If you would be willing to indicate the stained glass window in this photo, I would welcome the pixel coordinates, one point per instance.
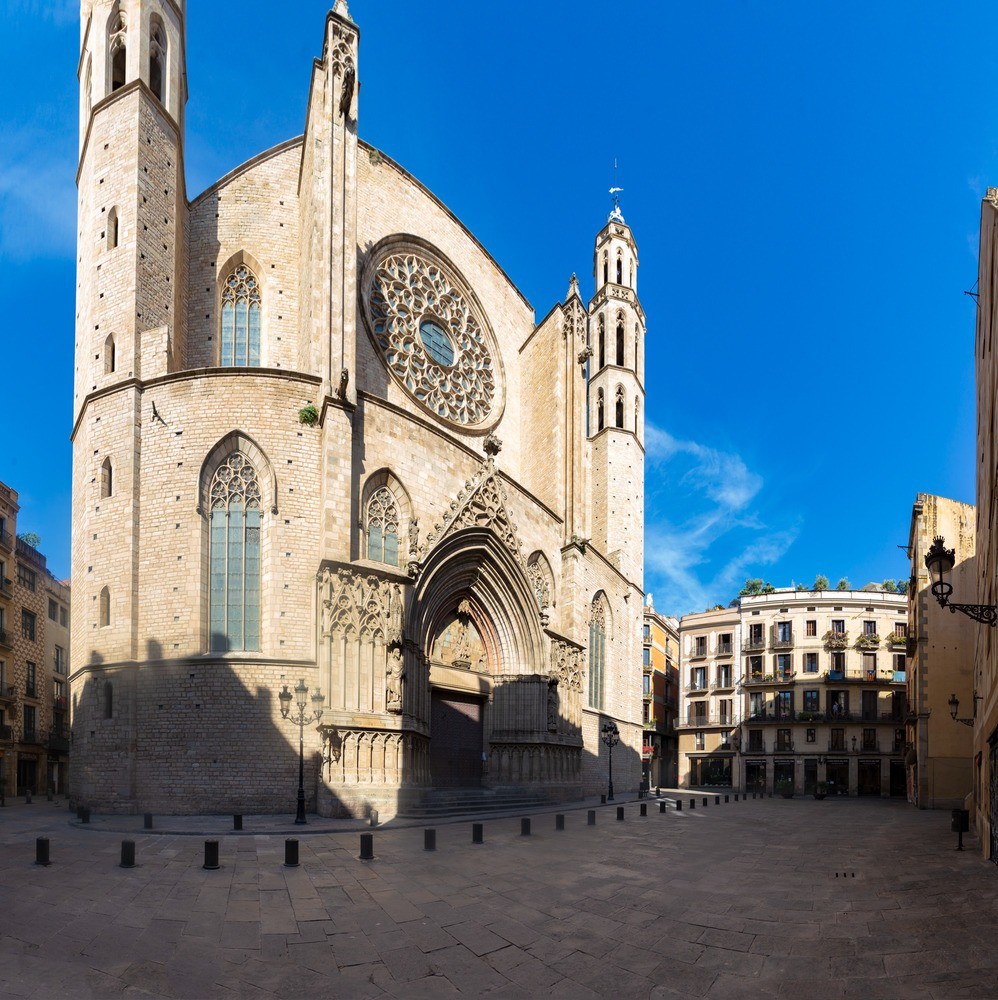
(383, 527)
(241, 319)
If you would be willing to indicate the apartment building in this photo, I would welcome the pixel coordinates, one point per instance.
(660, 698)
(793, 688)
(34, 665)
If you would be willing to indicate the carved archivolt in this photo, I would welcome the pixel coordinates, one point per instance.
(431, 334)
(365, 606)
(481, 504)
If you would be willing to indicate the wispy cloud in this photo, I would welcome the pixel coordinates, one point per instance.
(37, 197)
(704, 534)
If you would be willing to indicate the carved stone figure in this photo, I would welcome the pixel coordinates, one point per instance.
(327, 617)
(395, 678)
(395, 624)
(414, 538)
(344, 382)
(553, 705)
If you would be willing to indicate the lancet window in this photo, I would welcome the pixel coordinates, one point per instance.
(241, 305)
(118, 50)
(597, 653)
(620, 340)
(599, 409)
(234, 556)
(383, 527)
(602, 342)
(157, 59)
(619, 401)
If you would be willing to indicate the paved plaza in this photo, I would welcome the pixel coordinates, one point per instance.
(760, 898)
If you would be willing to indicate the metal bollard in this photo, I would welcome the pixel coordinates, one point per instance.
(641, 793)
(693, 803)
(429, 840)
(85, 818)
(661, 806)
(679, 805)
(237, 822)
(725, 798)
(559, 821)
(717, 800)
(79, 812)
(525, 827)
(373, 819)
(210, 855)
(477, 833)
(42, 851)
(27, 796)
(736, 796)
(643, 809)
(658, 792)
(291, 853)
(591, 820)
(127, 854)
(602, 800)
(147, 821)
(367, 847)
(705, 801)
(620, 814)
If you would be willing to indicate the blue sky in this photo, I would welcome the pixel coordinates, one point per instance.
(803, 181)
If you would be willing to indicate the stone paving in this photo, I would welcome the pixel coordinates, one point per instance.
(763, 898)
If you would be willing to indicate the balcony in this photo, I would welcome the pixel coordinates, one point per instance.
(696, 687)
(781, 638)
(6, 541)
(703, 720)
(6, 733)
(897, 640)
(8, 692)
(725, 648)
(754, 642)
(6, 639)
(756, 746)
(836, 640)
(766, 716)
(723, 683)
(58, 743)
(784, 746)
(780, 677)
(31, 736)
(699, 650)
(6, 587)
(864, 676)
(59, 704)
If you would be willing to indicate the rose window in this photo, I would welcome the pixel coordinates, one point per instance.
(432, 336)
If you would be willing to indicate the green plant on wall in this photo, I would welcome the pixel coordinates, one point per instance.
(308, 415)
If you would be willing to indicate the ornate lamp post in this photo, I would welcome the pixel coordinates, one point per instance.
(939, 561)
(954, 707)
(610, 735)
(300, 717)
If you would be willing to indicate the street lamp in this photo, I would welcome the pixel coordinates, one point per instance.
(611, 737)
(954, 707)
(300, 717)
(939, 561)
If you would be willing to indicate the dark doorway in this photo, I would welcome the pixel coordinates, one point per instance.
(868, 777)
(898, 785)
(837, 775)
(455, 740)
(810, 776)
(27, 774)
(755, 776)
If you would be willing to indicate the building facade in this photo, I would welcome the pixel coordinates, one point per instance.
(941, 649)
(660, 698)
(34, 750)
(320, 436)
(789, 689)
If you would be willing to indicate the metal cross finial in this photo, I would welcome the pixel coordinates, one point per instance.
(615, 194)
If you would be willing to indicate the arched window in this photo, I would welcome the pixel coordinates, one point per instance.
(157, 58)
(637, 347)
(104, 607)
(112, 229)
(234, 556)
(637, 416)
(241, 319)
(109, 355)
(383, 527)
(106, 479)
(597, 652)
(606, 269)
(602, 342)
(620, 269)
(620, 340)
(108, 700)
(620, 406)
(599, 409)
(117, 50)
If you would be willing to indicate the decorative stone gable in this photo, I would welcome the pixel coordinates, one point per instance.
(365, 606)
(482, 503)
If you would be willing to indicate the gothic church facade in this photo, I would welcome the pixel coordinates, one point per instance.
(319, 436)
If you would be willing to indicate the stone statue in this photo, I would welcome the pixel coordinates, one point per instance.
(552, 704)
(396, 674)
(395, 615)
(414, 538)
(327, 617)
(344, 382)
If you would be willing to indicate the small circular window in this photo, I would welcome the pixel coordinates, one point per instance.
(438, 345)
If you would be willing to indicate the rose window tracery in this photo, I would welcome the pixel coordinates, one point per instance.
(431, 336)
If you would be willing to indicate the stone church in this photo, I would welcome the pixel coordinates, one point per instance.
(320, 437)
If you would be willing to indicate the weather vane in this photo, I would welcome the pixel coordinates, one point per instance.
(615, 194)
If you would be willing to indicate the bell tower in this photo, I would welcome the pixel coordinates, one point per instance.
(131, 248)
(616, 399)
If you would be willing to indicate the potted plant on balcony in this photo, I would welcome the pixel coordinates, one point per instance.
(785, 787)
(896, 639)
(820, 790)
(868, 641)
(835, 640)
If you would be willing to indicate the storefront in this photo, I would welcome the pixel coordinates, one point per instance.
(837, 775)
(710, 772)
(755, 776)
